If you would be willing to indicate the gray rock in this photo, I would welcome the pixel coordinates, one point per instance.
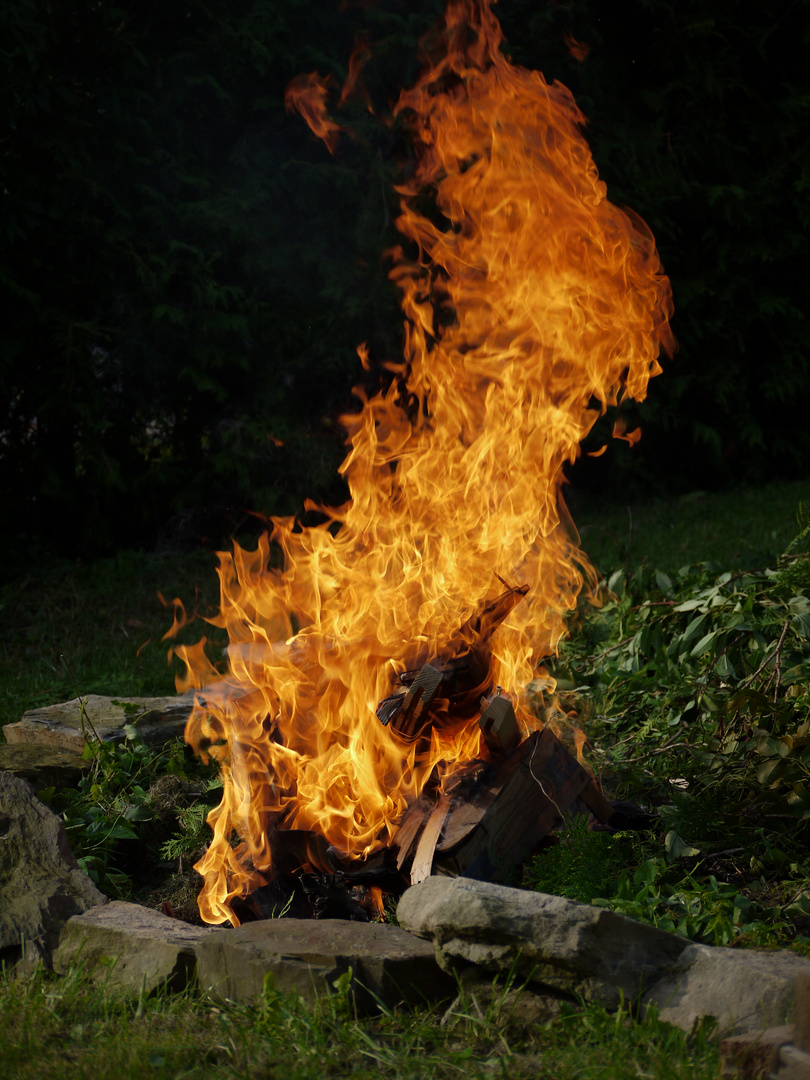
(794, 1064)
(307, 956)
(745, 990)
(568, 947)
(129, 947)
(43, 766)
(69, 726)
(41, 885)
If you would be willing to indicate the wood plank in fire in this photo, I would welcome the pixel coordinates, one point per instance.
(423, 859)
(542, 781)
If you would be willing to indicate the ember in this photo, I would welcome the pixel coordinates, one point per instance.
(354, 745)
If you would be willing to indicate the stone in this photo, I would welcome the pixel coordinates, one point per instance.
(802, 1039)
(754, 1057)
(307, 956)
(744, 989)
(569, 948)
(71, 724)
(41, 885)
(129, 947)
(794, 1064)
(43, 766)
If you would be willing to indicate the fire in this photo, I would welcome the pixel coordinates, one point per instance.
(532, 309)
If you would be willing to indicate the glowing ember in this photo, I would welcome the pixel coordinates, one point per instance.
(553, 306)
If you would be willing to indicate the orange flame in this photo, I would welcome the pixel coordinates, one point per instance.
(620, 432)
(527, 314)
(580, 50)
(307, 94)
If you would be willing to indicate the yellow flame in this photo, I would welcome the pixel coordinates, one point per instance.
(527, 312)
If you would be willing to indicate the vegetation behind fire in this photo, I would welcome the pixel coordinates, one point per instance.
(187, 273)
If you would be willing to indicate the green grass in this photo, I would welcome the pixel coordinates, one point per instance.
(70, 625)
(741, 529)
(64, 1028)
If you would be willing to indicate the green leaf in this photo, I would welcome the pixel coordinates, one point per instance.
(663, 582)
(677, 848)
(767, 772)
(705, 644)
(689, 605)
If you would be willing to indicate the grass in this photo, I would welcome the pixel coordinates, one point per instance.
(65, 1027)
(741, 529)
(94, 627)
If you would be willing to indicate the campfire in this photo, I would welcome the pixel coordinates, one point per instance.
(385, 714)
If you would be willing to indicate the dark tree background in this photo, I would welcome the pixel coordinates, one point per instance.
(187, 273)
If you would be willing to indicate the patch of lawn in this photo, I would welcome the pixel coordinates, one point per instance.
(95, 628)
(60, 1028)
(743, 529)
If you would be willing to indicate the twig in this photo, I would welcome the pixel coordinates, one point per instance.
(629, 541)
(613, 648)
(82, 702)
(767, 660)
(651, 753)
(539, 783)
(777, 670)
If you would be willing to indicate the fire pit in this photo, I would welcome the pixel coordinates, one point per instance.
(374, 725)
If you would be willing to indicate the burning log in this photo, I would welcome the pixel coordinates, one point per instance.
(407, 713)
(499, 725)
(493, 815)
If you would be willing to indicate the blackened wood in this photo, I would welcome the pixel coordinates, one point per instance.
(389, 707)
(499, 725)
(538, 784)
(597, 804)
(487, 620)
(412, 717)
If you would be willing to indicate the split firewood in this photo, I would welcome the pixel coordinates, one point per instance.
(413, 716)
(423, 859)
(499, 725)
(537, 785)
(483, 624)
(411, 825)
(407, 713)
(462, 673)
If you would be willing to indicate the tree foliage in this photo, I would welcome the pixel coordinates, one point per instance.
(187, 273)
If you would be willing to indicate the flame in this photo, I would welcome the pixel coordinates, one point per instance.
(580, 50)
(307, 94)
(620, 432)
(527, 313)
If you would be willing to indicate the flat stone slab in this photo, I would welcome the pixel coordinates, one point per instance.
(751, 1057)
(570, 948)
(43, 766)
(157, 719)
(41, 885)
(794, 1064)
(130, 947)
(747, 990)
(307, 956)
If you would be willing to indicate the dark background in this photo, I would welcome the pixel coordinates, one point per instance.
(186, 272)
